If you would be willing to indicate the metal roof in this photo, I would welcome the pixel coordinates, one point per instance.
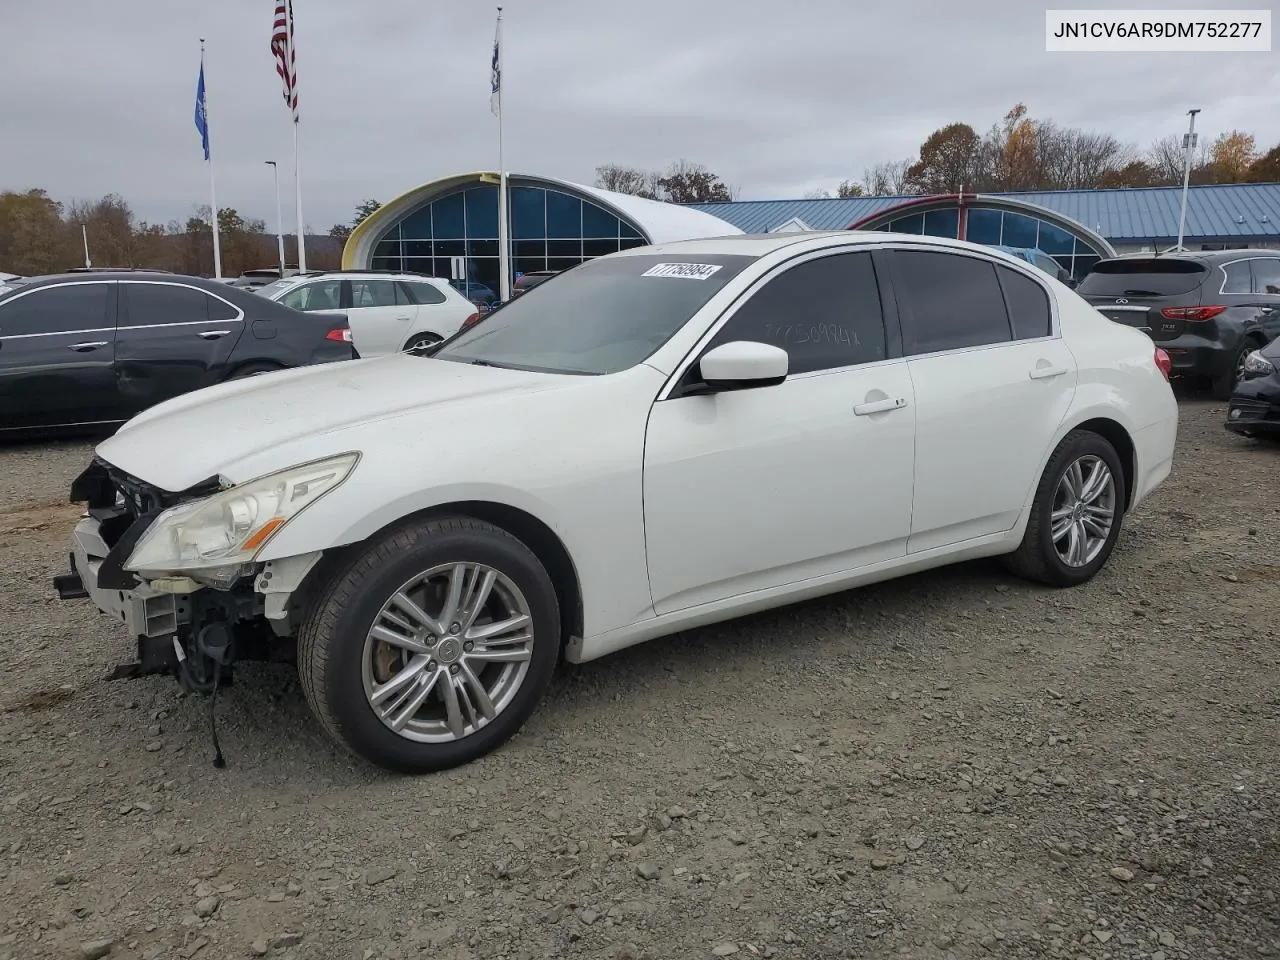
(1214, 212)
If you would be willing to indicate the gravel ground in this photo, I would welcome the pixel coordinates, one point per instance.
(955, 764)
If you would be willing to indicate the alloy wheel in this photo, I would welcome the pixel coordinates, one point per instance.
(447, 652)
(1084, 511)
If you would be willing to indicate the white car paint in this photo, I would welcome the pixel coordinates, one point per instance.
(379, 328)
(675, 514)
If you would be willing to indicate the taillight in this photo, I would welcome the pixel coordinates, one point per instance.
(1164, 363)
(471, 321)
(341, 334)
(1194, 314)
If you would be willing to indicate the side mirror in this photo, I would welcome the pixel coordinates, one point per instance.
(743, 364)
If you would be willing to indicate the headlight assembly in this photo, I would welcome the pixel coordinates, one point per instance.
(1256, 365)
(230, 528)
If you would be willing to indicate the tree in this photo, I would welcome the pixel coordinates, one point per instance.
(1266, 169)
(1135, 173)
(888, 179)
(849, 188)
(340, 231)
(818, 193)
(1166, 157)
(364, 210)
(688, 182)
(948, 160)
(620, 179)
(1231, 157)
(33, 237)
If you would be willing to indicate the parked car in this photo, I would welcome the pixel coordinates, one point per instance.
(388, 312)
(665, 437)
(481, 295)
(527, 281)
(1038, 258)
(1254, 407)
(7, 277)
(1208, 310)
(94, 349)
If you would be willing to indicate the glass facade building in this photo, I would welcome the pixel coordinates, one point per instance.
(996, 227)
(550, 229)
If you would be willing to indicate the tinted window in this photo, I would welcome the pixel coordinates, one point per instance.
(825, 313)
(70, 308)
(157, 304)
(1157, 277)
(220, 309)
(952, 301)
(373, 293)
(600, 317)
(322, 295)
(1028, 305)
(1238, 278)
(425, 293)
(1266, 275)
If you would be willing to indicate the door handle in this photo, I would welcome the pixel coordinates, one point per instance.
(86, 347)
(403, 319)
(1043, 373)
(213, 334)
(879, 406)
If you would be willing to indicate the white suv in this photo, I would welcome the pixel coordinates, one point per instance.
(388, 312)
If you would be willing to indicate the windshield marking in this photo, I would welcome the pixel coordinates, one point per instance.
(685, 271)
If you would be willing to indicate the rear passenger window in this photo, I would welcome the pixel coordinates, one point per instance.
(1266, 275)
(1028, 305)
(1238, 279)
(221, 310)
(160, 304)
(425, 293)
(373, 293)
(951, 301)
(825, 313)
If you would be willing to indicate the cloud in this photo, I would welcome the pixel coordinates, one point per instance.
(777, 98)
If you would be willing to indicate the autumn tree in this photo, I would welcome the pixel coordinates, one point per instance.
(1231, 156)
(948, 160)
(689, 182)
(1135, 173)
(849, 188)
(108, 224)
(1266, 169)
(33, 237)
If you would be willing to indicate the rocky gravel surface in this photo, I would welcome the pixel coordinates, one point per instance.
(953, 765)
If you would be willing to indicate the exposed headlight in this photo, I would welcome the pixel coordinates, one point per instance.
(219, 533)
(1256, 365)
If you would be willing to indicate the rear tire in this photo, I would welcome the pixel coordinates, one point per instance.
(1076, 516)
(1224, 385)
(431, 700)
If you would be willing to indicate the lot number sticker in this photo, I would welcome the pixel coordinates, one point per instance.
(687, 271)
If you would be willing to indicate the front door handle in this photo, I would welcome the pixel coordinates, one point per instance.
(1043, 373)
(403, 319)
(879, 406)
(91, 345)
(213, 334)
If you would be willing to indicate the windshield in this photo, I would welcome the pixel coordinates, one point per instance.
(600, 317)
(1142, 278)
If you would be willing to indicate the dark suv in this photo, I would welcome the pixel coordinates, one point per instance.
(1208, 311)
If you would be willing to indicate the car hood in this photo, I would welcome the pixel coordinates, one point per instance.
(185, 441)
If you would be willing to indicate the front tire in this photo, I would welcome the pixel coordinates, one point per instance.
(1076, 516)
(433, 646)
(1223, 385)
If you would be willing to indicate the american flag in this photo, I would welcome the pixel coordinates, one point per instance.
(282, 49)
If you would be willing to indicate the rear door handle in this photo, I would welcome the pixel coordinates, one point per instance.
(86, 347)
(1043, 373)
(879, 406)
(213, 334)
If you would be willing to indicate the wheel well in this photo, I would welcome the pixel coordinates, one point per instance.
(525, 527)
(1119, 438)
(264, 365)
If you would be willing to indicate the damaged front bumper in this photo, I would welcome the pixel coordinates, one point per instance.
(180, 626)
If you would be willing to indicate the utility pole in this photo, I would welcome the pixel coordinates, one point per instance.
(1189, 145)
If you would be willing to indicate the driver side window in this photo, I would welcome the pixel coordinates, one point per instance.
(825, 313)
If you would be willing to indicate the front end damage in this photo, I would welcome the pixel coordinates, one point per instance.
(193, 630)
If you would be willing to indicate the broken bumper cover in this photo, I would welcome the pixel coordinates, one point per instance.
(144, 611)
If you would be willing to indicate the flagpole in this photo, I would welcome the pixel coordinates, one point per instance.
(504, 245)
(297, 164)
(213, 193)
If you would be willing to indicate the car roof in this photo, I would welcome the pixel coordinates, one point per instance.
(760, 245)
(98, 276)
(1203, 256)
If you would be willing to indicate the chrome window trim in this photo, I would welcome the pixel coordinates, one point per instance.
(238, 318)
(55, 333)
(837, 247)
(1222, 291)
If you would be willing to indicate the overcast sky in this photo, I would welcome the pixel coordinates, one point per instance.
(778, 97)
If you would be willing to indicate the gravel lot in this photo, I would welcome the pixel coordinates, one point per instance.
(953, 765)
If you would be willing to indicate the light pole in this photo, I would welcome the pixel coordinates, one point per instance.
(279, 215)
(1189, 144)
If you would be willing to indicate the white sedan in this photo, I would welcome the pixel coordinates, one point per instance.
(388, 312)
(662, 438)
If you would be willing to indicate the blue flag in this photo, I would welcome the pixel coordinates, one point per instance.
(202, 119)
